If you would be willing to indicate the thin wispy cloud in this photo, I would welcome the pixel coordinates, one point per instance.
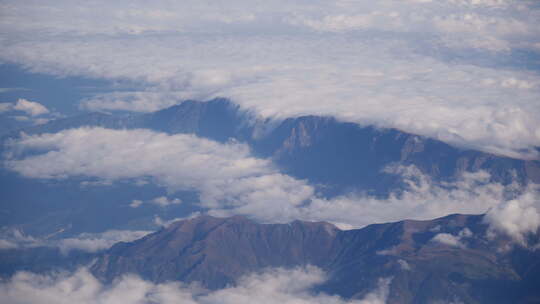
(87, 242)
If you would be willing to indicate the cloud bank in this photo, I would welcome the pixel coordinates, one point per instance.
(516, 218)
(273, 286)
(231, 181)
(463, 71)
(224, 174)
(88, 242)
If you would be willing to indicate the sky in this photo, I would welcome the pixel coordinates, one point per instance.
(463, 71)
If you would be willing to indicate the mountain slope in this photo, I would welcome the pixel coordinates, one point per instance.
(217, 251)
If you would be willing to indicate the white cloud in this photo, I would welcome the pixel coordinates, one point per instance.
(30, 107)
(163, 201)
(135, 203)
(448, 239)
(516, 218)
(164, 223)
(423, 199)
(487, 3)
(231, 181)
(404, 265)
(143, 101)
(419, 66)
(275, 285)
(225, 175)
(453, 240)
(89, 242)
(93, 242)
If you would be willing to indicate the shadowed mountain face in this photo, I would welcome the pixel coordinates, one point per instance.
(341, 156)
(217, 251)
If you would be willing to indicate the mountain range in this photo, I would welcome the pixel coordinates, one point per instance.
(453, 259)
(353, 156)
(217, 251)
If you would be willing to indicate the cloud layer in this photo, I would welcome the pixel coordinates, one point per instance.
(516, 218)
(272, 286)
(88, 242)
(231, 181)
(463, 71)
(224, 174)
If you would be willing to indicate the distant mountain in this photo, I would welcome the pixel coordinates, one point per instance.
(334, 156)
(337, 154)
(217, 251)
(341, 156)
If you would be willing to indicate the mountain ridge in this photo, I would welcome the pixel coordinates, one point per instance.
(215, 252)
(343, 156)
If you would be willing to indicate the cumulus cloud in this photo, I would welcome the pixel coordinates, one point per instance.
(31, 108)
(231, 181)
(516, 218)
(274, 285)
(224, 174)
(451, 70)
(453, 240)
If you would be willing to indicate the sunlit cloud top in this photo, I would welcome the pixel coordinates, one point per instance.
(463, 71)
